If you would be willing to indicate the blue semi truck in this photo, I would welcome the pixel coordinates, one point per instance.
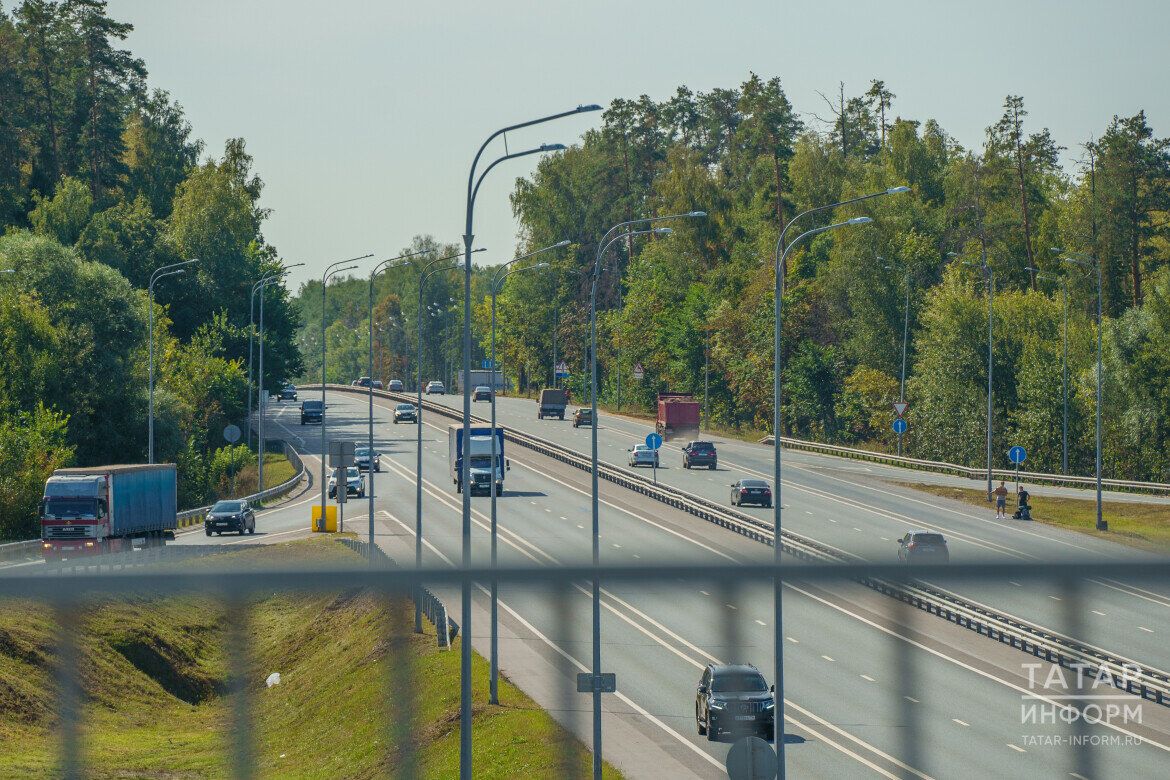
(99, 509)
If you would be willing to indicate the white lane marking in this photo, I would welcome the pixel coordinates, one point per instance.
(616, 546)
(1097, 612)
(911, 699)
(1016, 748)
(1147, 630)
(705, 593)
(793, 640)
(762, 623)
(960, 722)
(867, 677)
(1013, 582)
(1130, 590)
(827, 658)
(731, 606)
(986, 675)
(1054, 598)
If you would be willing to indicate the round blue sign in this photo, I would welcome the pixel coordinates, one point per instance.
(653, 441)
(1017, 454)
(900, 425)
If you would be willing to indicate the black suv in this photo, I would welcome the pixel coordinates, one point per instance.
(312, 411)
(700, 453)
(288, 393)
(583, 416)
(735, 699)
(236, 515)
(923, 547)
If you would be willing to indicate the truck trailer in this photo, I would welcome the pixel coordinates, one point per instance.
(678, 416)
(481, 458)
(100, 509)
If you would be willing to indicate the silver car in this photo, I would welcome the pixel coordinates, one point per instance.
(435, 387)
(355, 485)
(641, 455)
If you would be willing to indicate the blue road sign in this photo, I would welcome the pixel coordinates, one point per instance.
(900, 425)
(653, 441)
(1017, 455)
(562, 374)
(486, 364)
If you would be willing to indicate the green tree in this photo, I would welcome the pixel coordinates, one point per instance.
(32, 445)
(64, 215)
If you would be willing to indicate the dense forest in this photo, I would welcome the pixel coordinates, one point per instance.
(102, 183)
(700, 301)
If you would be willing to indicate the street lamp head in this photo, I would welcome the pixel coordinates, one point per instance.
(697, 214)
(859, 221)
(552, 147)
(896, 190)
(662, 231)
(1056, 250)
(581, 109)
(561, 244)
(540, 265)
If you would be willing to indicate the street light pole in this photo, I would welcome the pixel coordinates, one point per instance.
(473, 184)
(501, 274)
(905, 341)
(423, 274)
(330, 270)
(167, 270)
(392, 262)
(1088, 261)
(780, 262)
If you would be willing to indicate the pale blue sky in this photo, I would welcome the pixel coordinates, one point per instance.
(363, 116)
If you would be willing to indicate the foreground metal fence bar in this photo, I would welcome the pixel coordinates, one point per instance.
(71, 591)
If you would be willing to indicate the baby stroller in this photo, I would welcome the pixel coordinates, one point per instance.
(1023, 508)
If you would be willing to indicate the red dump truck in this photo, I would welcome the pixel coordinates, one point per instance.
(98, 509)
(678, 416)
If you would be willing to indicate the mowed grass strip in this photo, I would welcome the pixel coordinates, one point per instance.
(1146, 526)
(155, 680)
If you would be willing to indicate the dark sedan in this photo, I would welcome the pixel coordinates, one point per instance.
(923, 547)
(288, 393)
(227, 516)
(751, 491)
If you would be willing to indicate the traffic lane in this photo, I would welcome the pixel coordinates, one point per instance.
(672, 602)
(1130, 611)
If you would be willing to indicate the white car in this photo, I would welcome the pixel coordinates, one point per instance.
(355, 485)
(435, 388)
(405, 412)
(641, 455)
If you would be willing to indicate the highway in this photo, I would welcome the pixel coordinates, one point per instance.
(871, 688)
(857, 507)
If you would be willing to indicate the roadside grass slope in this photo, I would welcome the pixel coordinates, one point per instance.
(155, 679)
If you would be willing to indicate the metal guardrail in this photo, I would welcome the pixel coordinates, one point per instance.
(1152, 683)
(431, 605)
(237, 586)
(14, 553)
(942, 467)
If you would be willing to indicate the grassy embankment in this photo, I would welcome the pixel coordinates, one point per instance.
(154, 675)
(1146, 526)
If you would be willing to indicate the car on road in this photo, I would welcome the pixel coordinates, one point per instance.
(235, 515)
(641, 455)
(312, 411)
(435, 387)
(923, 547)
(362, 455)
(405, 413)
(395, 386)
(583, 416)
(481, 393)
(355, 484)
(363, 381)
(751, 491)
(734, 699)
(697, 454)
(288, 392)
(377, 384)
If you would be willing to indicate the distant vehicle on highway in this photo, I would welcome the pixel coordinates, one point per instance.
(552, 403)
(481, 393)
(923, 547)
(583, 416)
(734, 698)
(395, 386)
(405, 413)
(678, 416)
(377, 384)
(751, 491)
(481, 469)
(435, 387)
(641, 455)
(288, 392)
(355, 484)
(312, 412)
(98, 509)
(361, 382)
(362, 456)
(698, 454)
(234, 515)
